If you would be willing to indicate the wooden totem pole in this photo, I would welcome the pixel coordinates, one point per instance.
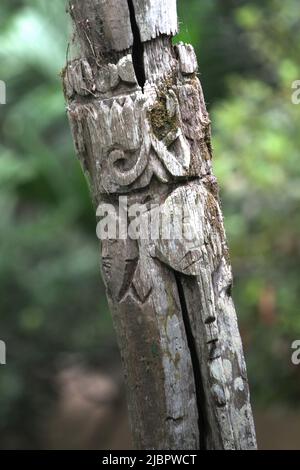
(142, 133)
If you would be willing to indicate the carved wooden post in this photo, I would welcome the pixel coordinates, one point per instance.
(142, 134)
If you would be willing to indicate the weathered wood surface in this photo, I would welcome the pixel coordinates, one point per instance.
(141, 130)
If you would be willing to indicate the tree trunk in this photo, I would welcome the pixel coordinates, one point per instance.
(142, 134)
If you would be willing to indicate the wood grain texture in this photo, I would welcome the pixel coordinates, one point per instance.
(146, 137)
(156, 17)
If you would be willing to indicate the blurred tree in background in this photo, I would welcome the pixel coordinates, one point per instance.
(52, 301)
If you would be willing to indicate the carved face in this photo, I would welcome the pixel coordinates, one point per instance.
(116, 136)
(127, 145)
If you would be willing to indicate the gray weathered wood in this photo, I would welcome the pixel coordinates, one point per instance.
(141, 130)
(156, 17)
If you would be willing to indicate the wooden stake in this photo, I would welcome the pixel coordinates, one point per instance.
(142, 133)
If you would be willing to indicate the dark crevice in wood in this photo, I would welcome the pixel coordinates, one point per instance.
(137, 48)
(130, 269)
(200, 396)
(229, 290)
(210, 319)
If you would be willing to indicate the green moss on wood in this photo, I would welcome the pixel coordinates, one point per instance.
(161, 121)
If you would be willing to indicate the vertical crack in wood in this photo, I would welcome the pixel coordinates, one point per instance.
(200, 395)
(137, 48)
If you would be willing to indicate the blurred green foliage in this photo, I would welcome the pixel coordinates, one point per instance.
(52, 301)
(257, 142)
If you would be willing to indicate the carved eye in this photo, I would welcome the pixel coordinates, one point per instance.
(121, 165)
(118, 159)
(127, 165)
(121, 161)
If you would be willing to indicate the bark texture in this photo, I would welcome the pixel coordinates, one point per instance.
(141, 130)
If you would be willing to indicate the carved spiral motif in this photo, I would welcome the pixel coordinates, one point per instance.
(118, 158)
